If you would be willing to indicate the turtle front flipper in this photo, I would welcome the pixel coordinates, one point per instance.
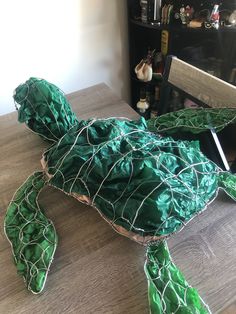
(168, 290)
(194, 121)
(44, 108)
(31, 234)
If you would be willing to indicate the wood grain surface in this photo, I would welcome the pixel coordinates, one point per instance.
(205, 87)
(95, 270)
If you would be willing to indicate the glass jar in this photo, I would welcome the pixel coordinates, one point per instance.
(144, 10)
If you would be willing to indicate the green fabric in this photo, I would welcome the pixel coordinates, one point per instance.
(44, 109)
(227, 182)
(193, 120)
(168, 291)
(32, 235)
(147, 184)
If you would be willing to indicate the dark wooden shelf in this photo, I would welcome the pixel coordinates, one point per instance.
(147, 25)
(153, 82)
(182, 28)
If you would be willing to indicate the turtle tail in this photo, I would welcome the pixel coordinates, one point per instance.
(44, 108)
(168, 290)
(31, 234)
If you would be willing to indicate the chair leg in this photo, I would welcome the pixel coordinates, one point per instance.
(220, 150)
(165, 98)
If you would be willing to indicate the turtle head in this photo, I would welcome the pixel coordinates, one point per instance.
(44, 108)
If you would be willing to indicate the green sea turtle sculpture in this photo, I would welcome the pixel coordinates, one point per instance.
(146, 186)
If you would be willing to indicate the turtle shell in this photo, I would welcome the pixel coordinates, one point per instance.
(146, 186)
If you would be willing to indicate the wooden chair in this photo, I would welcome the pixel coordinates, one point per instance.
(204, 89)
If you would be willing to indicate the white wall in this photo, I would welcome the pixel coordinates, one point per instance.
(71, 43)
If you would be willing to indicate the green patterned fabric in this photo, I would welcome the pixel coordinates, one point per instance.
(168, 290)
(145, 185)
(44, 109)
(31, 233)
(193, 120)
(227, 182)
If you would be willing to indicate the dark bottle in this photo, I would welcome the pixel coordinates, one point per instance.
(143, 105)
(157, 10)
(149, 95)
(156, 104)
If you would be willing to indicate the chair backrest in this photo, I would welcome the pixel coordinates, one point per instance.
(201, 86)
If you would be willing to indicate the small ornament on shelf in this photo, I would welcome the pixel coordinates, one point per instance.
(150, 67)
(214, 20)
(185, 14)
(143, 69)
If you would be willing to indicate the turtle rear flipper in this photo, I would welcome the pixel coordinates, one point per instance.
(44, 108)
(227, 181)
(168, 290)
(31, 234)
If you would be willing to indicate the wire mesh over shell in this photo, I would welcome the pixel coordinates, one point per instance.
(145, 185)
(140, 182)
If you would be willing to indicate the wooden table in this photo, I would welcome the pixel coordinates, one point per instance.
(95, 270)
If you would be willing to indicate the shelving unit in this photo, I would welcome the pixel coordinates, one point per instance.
(183, 28)
(196, 46)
